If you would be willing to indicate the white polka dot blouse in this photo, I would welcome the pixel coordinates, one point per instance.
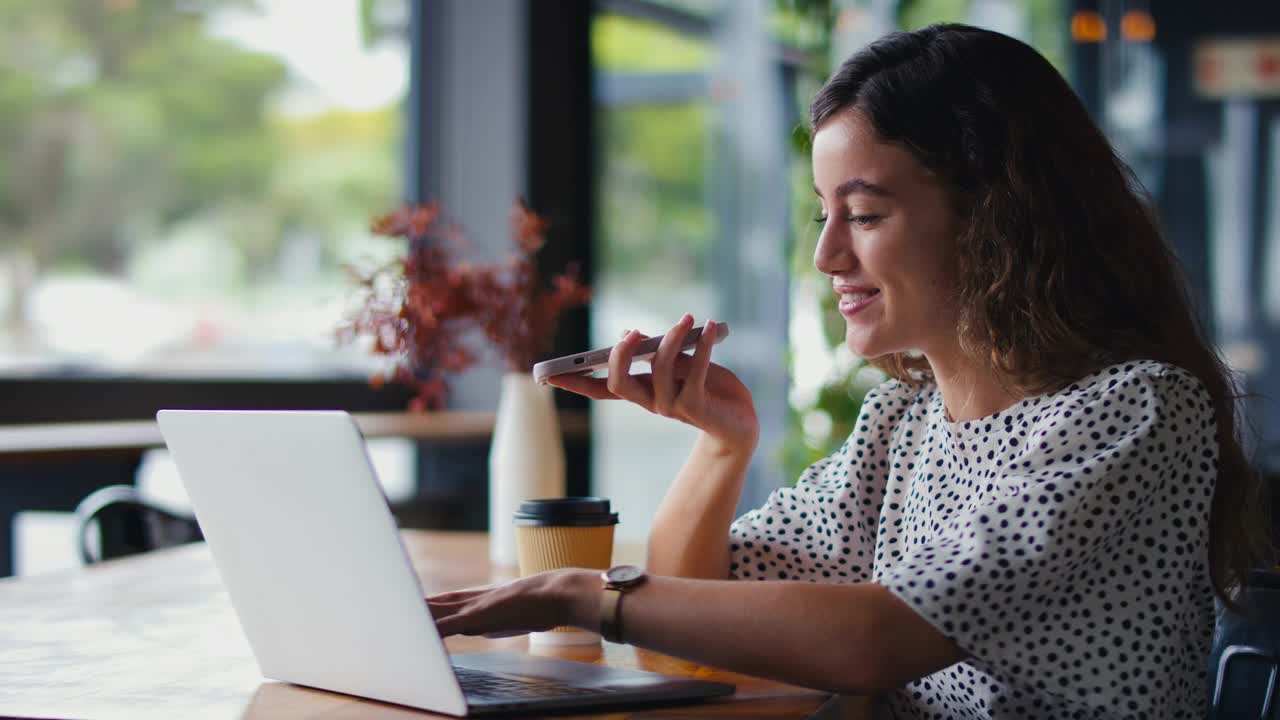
(1062, 543)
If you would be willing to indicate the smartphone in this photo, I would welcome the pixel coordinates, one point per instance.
(588, 362)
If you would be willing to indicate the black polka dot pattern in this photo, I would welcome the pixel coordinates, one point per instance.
(1062, 543)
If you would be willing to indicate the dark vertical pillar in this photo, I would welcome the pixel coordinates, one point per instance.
(1192, 126)
(1267, 382)
(1085, 61)
(426, 62)
(561, 172)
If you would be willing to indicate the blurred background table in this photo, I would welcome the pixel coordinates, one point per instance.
(25, 443)
(436, 477)
(154, 636)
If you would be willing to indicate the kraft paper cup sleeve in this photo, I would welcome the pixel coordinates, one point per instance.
(550, 547)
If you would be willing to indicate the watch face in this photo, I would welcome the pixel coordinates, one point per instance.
(624, 574)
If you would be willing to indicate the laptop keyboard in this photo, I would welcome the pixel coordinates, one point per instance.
(482, 684)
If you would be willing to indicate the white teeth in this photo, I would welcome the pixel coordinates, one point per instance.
(857, 297)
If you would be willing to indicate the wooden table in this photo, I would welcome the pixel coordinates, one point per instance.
(154, 636)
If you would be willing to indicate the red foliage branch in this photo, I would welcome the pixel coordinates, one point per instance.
(418, 308)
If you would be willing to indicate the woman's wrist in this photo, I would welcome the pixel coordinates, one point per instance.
(721, 450)
(580, 592)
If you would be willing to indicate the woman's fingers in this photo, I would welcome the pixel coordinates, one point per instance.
(583, 383)
(440, 612)
(451, 624)
(593, 387)
(620, 382)
(444, 610)
(696, 380)
(663, 362)
(451, 610)
(470, 623)
(515, 608)
(454, 596)
(656, 391)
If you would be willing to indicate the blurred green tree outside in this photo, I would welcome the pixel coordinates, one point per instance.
(653, 220)
(122, 120)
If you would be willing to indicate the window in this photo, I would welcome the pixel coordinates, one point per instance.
(694, 106)
(181, 182)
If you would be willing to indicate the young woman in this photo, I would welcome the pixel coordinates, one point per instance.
(1032, 518)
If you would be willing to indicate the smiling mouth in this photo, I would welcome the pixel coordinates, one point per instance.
(851, 303)
(858, 296)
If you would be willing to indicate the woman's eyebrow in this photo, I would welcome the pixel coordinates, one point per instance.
(857, 185)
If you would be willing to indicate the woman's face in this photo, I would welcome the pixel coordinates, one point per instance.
(887, 241)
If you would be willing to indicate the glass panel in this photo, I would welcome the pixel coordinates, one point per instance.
(655, 229)
(705, 8)
(181, 182)
(623, 44)
(692, 147)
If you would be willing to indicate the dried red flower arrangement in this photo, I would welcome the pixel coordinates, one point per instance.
(418, 308)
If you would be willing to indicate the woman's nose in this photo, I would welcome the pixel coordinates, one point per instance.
(834, 253)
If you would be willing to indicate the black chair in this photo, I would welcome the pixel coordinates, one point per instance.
(1244, 664)
(126, 523)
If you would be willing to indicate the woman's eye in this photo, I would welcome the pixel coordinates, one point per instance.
(861, 220)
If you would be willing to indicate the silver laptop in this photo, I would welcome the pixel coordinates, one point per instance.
(324, 590)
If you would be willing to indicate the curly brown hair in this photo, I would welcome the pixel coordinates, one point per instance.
(1062, 267)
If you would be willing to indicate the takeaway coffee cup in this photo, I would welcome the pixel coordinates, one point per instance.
(564, 532)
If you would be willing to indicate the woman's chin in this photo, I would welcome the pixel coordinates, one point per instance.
(862, 344)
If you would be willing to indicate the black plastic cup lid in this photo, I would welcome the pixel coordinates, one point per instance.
(572, 512)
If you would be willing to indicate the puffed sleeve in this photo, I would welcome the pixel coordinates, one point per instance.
(823, 529)
(1084, 570)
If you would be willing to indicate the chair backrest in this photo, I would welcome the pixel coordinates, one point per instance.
(1244, 665)
(126, 522)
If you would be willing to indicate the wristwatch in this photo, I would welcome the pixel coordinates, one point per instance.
(618, 580)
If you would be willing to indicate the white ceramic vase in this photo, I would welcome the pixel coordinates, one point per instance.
(526, 459)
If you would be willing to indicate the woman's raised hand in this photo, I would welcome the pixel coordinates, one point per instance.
(688, 388)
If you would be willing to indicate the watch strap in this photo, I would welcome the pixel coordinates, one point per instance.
(611, 615)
